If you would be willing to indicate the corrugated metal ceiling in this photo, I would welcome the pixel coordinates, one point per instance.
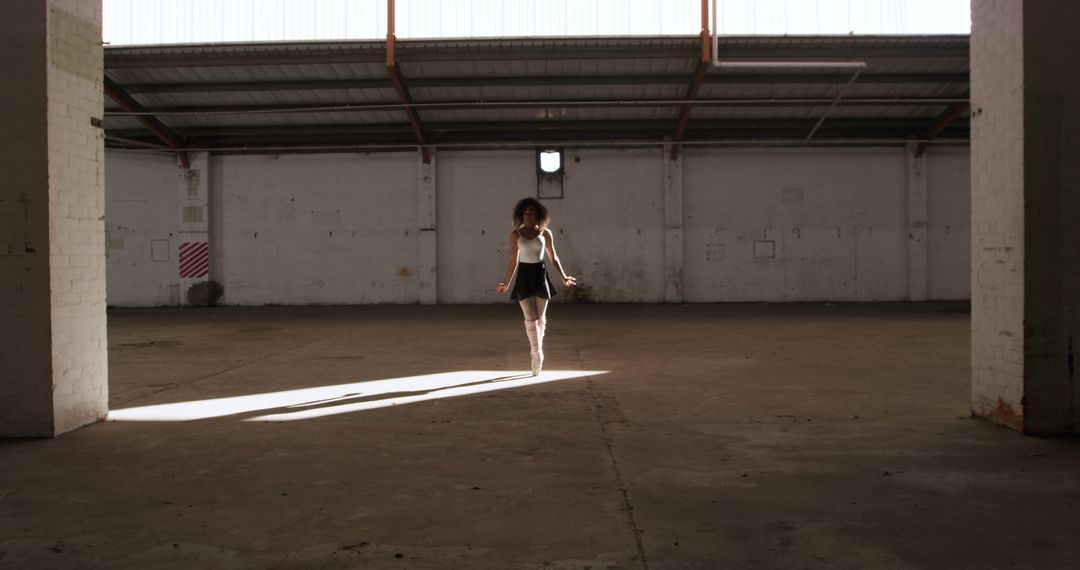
(543, 90)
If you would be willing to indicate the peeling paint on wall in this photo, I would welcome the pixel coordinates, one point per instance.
(192, 177)
(1006, 415)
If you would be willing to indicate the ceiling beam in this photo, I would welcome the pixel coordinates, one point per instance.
(540, 80)
(693, 51)
(835, 102)
(954, 112)
(803, 78)
(632, 49)
(309, 57)
(344, 107)
(196, 134)
(702, 69)
(684, 116)
(235, 86)
(410, 112)
(691, 94)
(114, 92)
(401, 88)
(699, 128)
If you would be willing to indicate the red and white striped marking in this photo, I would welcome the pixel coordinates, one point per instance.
(194, 260)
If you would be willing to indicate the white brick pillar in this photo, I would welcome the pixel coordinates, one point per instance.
(427, 240)
(1025, 206)
(192, 241)
(673, 227)
(53, 368)
(916, 225)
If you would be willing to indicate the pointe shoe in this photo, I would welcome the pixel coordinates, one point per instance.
(536, 361)
(539, 362)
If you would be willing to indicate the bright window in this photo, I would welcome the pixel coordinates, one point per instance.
(550, 161)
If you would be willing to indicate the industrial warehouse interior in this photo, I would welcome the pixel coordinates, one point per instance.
(813, 285)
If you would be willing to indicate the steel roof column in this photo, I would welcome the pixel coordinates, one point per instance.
(400, 86)
(699, 79)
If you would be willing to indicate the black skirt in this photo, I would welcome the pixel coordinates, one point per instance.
(532, 281)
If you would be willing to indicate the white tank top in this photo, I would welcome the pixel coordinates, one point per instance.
(531, 250)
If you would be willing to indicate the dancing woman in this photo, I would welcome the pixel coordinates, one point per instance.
(529, 242)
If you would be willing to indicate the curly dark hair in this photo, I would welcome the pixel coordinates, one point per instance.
(524, 204)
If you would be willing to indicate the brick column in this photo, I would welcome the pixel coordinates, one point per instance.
(1025, 204)
(53, 371)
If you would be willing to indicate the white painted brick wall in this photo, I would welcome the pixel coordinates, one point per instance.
(608, 229)
(476, 191)
(844, 239)
(610, 225)
(76, 214)
(997, 218)
(299, 229)
(142, 218)
(837, 219)
(948, 223)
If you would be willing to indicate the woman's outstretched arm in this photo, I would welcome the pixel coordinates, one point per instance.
(567, 280)
(512, 267)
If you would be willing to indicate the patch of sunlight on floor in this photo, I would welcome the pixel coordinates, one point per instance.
(308, 403)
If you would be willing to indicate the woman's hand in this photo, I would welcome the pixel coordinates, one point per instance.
(569, 281)
(501, 288)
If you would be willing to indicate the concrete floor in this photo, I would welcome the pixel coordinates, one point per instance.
(722, 436)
